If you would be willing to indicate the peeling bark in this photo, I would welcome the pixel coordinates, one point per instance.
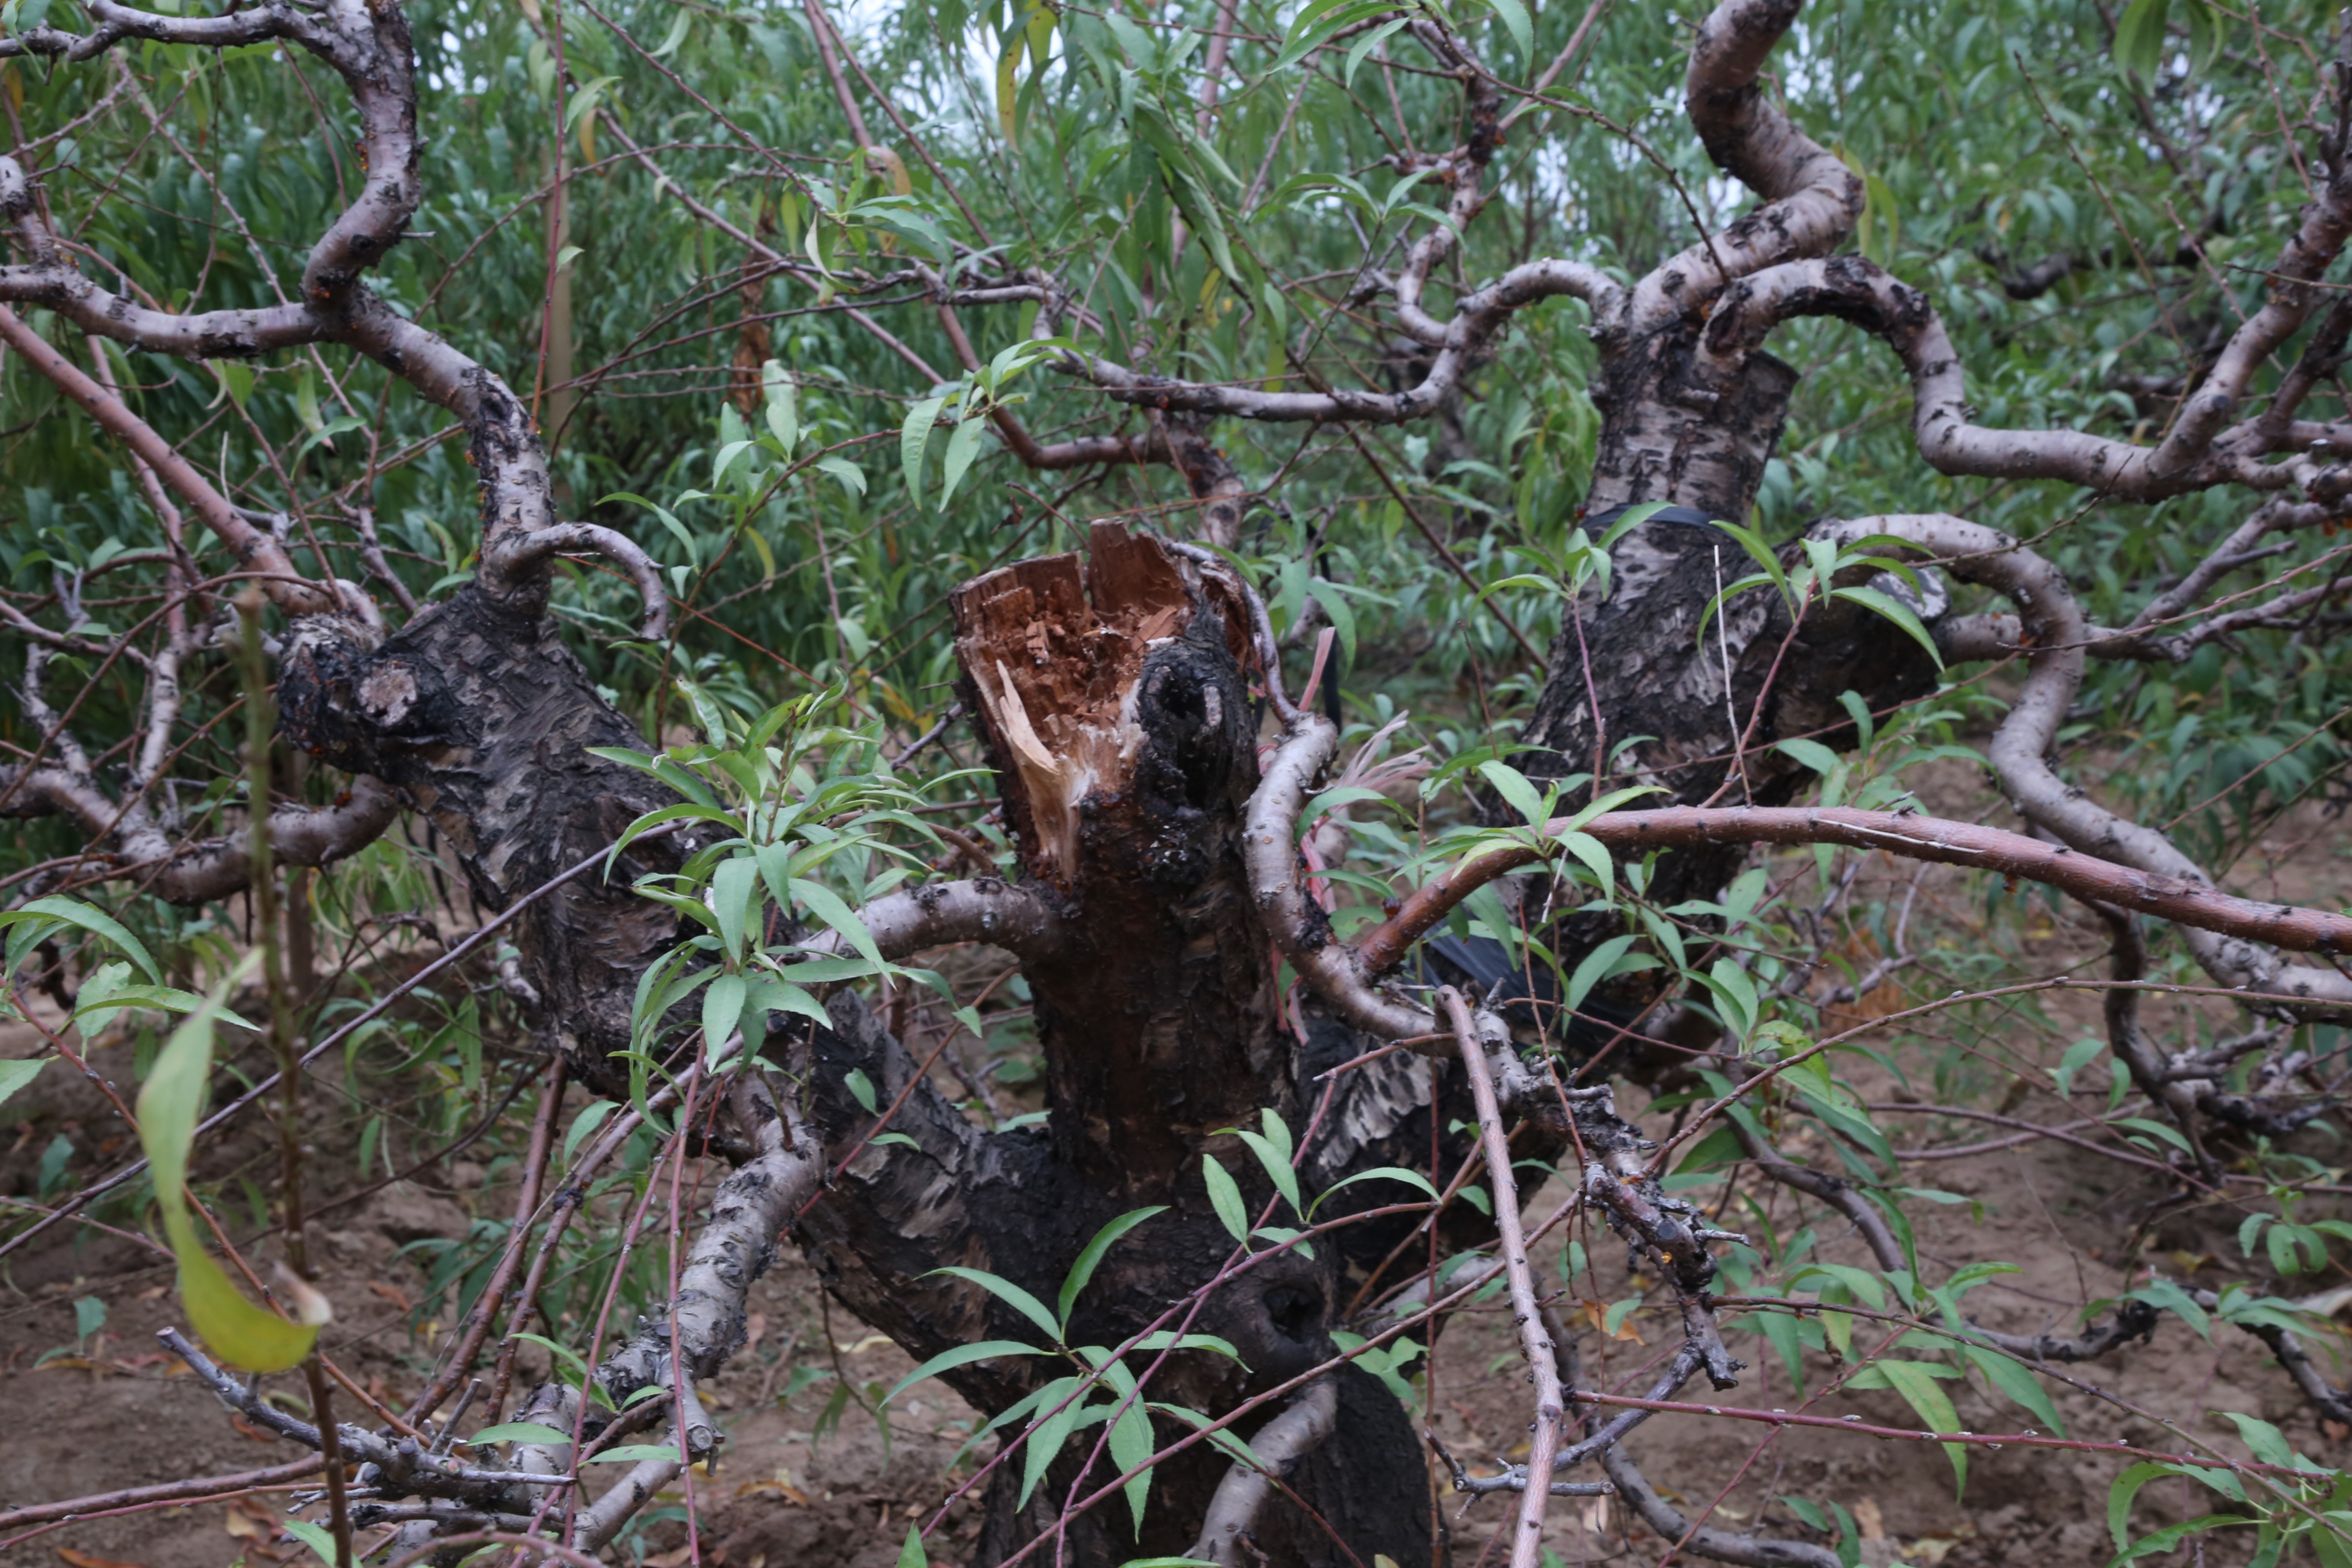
(1110, 694)
(477, 710)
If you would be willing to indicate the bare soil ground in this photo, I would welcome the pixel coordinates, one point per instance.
(114, 1411)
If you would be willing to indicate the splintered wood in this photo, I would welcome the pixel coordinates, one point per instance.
(1054, 647)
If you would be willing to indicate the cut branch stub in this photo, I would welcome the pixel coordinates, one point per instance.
(1055, 647)
(1109, 691)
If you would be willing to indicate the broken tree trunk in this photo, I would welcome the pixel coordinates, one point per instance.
(1111, 694)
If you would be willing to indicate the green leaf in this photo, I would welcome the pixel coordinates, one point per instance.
(519, 1432)
(849, 475)
(1012, 1295)
(1596, 966)
(2139, 50)
(74, 912)
(2016, 1381)
(1595, 857)
(1169, 1339)
(1523, 32)
(722, 1006)
(583, 101)
(2172, 1535)
(106, 992)
(590, 1118)
(236, 379)
(1381, 1173)
(1365, 45)
(313, 1536)
(637, 1453)
(1342, 617)
(1045, 1440)
(964, 446)
(1788, 1341)
(2170, 1296)
(1849, 1120)
(1721, 1146)
(2329, 1540)
(2153, 1129)
(828, 907)
(1513, 786)
(912, 1554)
(734, 898)
(1131, 1444)
(1091, 1256)
(1900, 613)
(1865, 1285)
(1225, 1197)
(962, 1355)
(861, 1088)
(1917, 1385)
(565, 1354)
(783, 404)
(2120, 1495)
(2078, 1056)
(1811, 754)
(1277, 1164)
(2267, 1443)
(15, 1075)
(1319, 20)
(1734, 995)
(915, 437)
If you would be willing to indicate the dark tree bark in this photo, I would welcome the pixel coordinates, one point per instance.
(1110, 694)
(477, 710)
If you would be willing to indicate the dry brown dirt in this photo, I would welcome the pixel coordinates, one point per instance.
(2081, 1226)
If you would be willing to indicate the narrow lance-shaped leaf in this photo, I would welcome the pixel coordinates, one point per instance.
(1012, 1295)
(1091, 1256)
(240, 1333)
(915, 437)
(1225, 1197)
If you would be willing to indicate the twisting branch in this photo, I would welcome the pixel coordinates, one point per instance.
(2224, 946)
(1017, 917)
(1535, 1343)
(689, 1340)
(2132, 1319)
(1297, 1431)
(142, 849)
(368, 44)
(2164, 891)
(1853, 288)
(406, 1468)
(1600, 1435)
(731, 1252)
(1294, 921)
(2329, 1401)
(1619, 1181)
(2187, 1086)
(256, 550)
(516, 554)
(703, 1325)
(1478, 318)
(1811, 200)
(1750, 1550)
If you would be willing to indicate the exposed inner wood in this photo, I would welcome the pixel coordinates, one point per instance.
(1055, 649)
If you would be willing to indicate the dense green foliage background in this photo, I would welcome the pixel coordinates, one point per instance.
(1994, 136)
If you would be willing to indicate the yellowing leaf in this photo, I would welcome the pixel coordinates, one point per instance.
(1008, 87)
(240, 1333)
